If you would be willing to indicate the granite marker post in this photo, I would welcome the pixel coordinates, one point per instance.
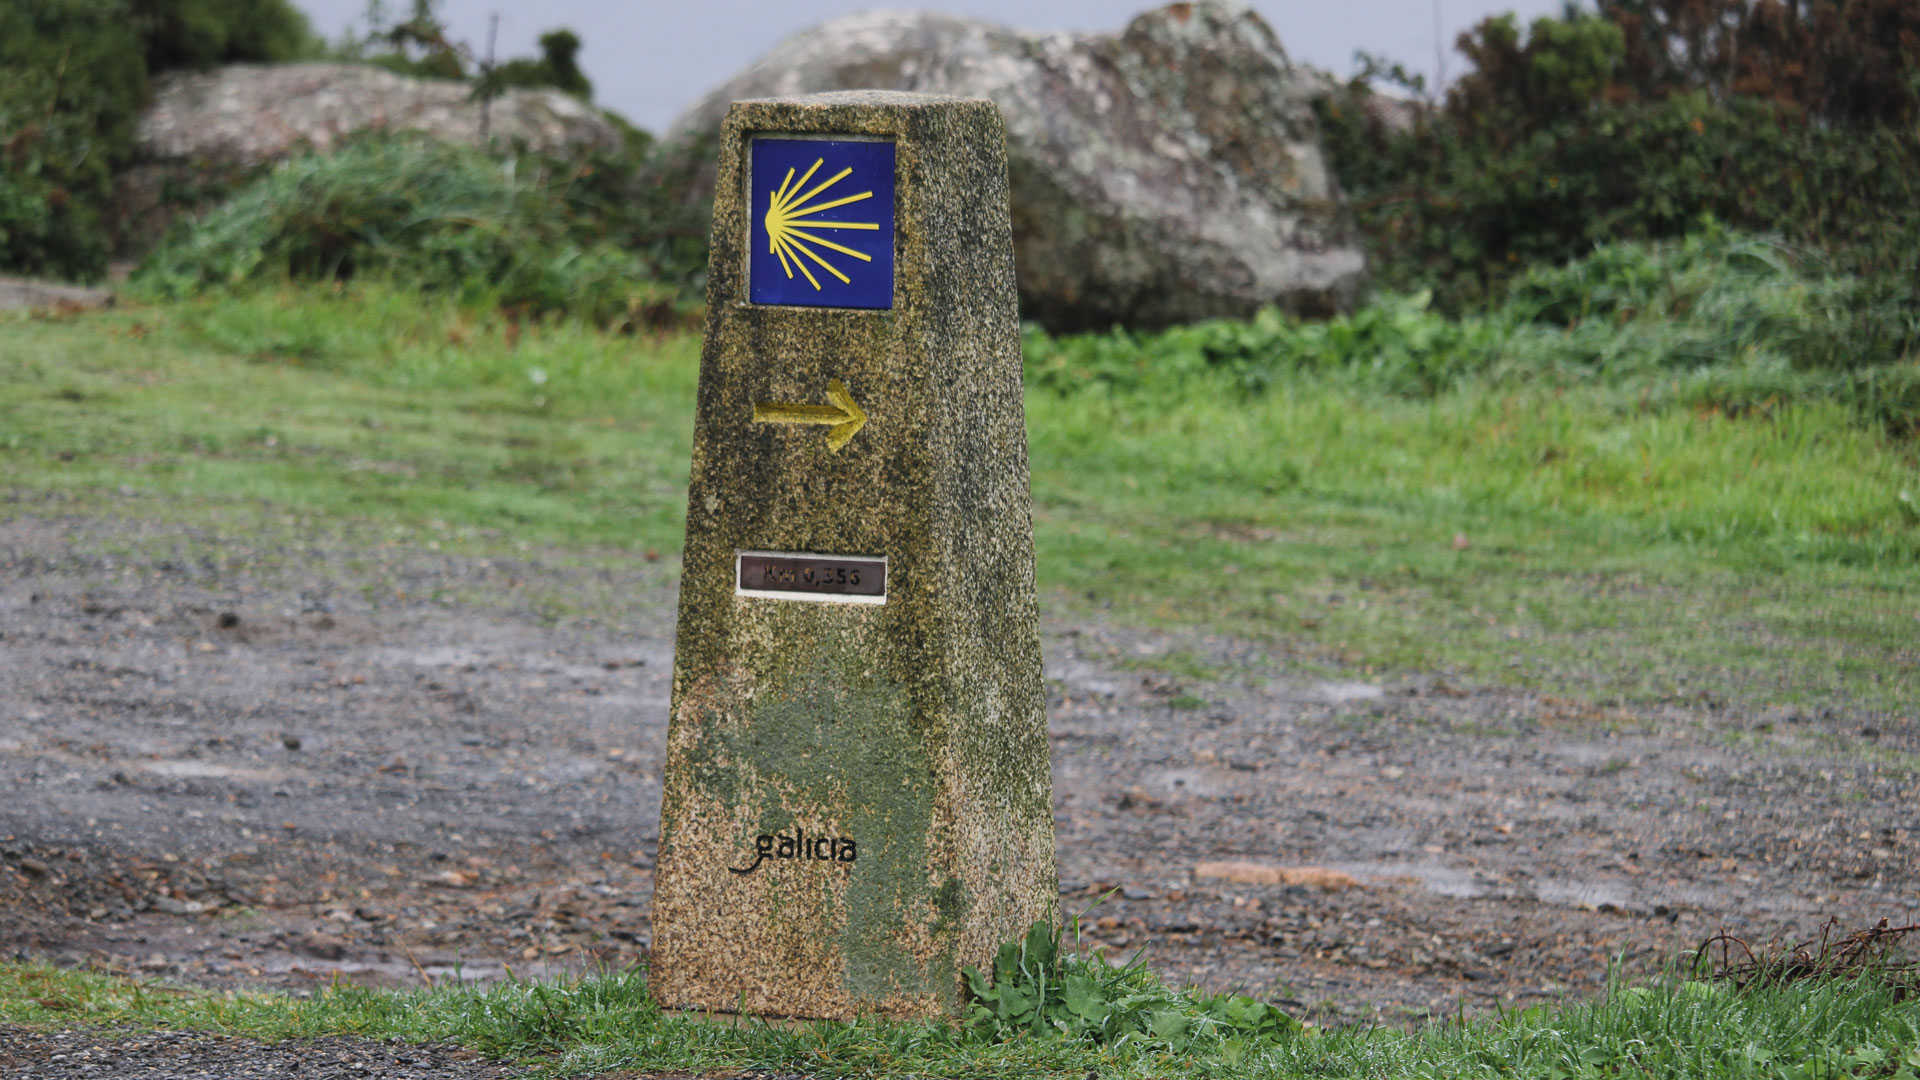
(857, 795)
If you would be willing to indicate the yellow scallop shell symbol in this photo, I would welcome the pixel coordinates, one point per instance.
(789, 216)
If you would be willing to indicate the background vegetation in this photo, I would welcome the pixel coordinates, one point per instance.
(78, 71)
(76, 76)
(532, 237)
(1644, 120)
(1191, 480)
(1647, 320)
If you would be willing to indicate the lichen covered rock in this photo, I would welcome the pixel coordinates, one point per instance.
(252, 114)
(1168, 173)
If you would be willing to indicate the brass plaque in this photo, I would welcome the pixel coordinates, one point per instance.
(778, 575)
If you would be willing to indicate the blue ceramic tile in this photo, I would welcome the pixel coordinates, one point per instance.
(821, 223)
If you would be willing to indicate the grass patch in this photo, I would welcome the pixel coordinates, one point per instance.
(1583, 535)
(581, 1027)
(1534, 537)
(370, 405)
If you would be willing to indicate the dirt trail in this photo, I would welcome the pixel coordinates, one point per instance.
(266, 766)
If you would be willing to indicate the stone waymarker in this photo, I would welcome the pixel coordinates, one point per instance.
(857, 796)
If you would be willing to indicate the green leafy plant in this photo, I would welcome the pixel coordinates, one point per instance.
(202, 33)
(419, 45)
(73, 79)
(1040, 988)
(558, 67)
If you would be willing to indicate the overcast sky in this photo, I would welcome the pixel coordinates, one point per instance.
(648, 59)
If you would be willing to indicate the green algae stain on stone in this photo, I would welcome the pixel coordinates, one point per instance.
(834, 739)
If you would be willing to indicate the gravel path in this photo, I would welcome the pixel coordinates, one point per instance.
(68, 1055)
(277, 762)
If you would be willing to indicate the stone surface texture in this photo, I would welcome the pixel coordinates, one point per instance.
(252, 114)
(16, 293)
(918, 727)
(123, 1054)
(1167, 173)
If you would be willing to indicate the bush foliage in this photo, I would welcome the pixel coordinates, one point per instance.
(75, 78)
(558, 67)
(1719, 320)
(1641, 122)
(539, 237)
(76, 74)
(422, 45)
(202, 33)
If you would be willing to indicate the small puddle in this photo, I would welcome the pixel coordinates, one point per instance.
(396, 972)
(203, 770)
(1339, 693)
(1589, 894)
(1434, 877)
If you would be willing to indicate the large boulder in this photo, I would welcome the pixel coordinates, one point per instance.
(251, 114)
(1167, 173)
(205, 133)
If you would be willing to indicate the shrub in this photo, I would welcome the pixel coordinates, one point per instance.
(202, 33)
(1718, 320)
(1640, 123)
(1561, 66)
(1843, 61)
(419, 45)
(75, 78)
(441, 217)
(558, 67)
(1464, 210)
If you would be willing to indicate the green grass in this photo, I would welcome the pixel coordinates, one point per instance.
(1618, 545)
(370, 406)
(582, 1027)
(1642, 555)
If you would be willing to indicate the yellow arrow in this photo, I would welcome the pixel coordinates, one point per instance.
(846, 417)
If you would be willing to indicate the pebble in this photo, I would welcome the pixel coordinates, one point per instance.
(323, 946)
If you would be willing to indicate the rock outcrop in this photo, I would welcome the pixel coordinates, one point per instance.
(250, 114)
(208, 132)
(34, 295)
(1167, 173)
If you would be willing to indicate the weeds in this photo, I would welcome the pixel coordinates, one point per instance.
(1040, 988)
(1876, 952)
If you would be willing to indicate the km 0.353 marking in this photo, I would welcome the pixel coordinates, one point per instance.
(782, 575)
